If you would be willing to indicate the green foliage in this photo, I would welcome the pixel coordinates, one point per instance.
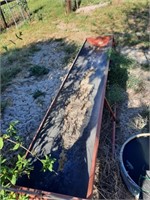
(119, 66)
(23, 165)
(118, 76)
(115, 94)
(3, 106)
(5, 48)
(47, 163)
(140, 87)
(5, 195)
(7, 74)
(12, 130)
(145, 67)
(38, 93)
(38, 70)
(132, 82)
(1, 143)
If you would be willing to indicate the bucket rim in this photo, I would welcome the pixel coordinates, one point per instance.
(121, 157)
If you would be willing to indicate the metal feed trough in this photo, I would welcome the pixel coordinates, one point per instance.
(70, 130)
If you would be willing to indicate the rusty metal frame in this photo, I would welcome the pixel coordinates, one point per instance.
(39, 194)
(113, 115)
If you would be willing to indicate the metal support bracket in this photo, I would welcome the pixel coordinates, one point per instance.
(113, 114)
(107, 105)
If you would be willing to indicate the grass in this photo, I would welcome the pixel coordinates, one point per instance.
(120, 79)
(124, 20)
(3, 106)
(140, 87)
(8, 74)
(102, 21)
(38, 93)
(145, 67)
(38, 71)
(13, 61)
(132, 82)
(115, 94)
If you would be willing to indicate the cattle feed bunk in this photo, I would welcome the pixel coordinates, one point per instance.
(70, 130)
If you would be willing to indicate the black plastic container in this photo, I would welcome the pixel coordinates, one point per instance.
(135, 165)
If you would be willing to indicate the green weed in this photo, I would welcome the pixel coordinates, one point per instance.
(38, 71)
(34, 48)
(3, 106)
(145, 67)
(38, 93)
(132, 82)
(115, 94)
(119, 66)
(140, 87)
(12, 168)
(8, 74)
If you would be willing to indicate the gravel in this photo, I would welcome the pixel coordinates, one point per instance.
(22, 106)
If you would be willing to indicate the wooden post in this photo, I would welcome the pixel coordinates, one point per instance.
(3, 18)
(68, 6)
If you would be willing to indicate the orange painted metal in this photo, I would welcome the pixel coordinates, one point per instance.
(36, 194)
(109, 109)
(99, 41)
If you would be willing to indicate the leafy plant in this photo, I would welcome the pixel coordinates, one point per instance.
(38, 70)
(23, 165)
(119, 68)
(140, 87)
(132, 82)
(115, 94)
(7, 75)
(5, 48)
(38, 93)
(48, 163)
(3, 106)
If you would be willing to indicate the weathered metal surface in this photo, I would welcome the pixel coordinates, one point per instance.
(70, 130)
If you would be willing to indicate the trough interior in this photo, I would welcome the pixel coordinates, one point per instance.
(70, 129)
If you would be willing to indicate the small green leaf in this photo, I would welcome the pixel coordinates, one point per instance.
(50, 167)
(16, 147)
(13, 180)
(3, 161)
(1, 143)
(2, 192)
(6, 136)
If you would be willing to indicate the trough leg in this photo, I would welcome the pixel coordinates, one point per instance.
(113, 114)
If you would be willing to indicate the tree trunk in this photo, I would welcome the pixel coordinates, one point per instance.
(68, 6)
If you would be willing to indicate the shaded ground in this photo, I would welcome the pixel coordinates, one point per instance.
(133, 116)
(28, 97)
